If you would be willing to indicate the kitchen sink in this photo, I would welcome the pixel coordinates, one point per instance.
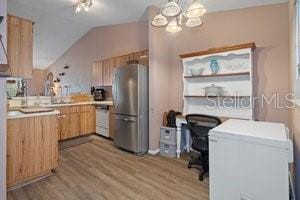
(13, 113)
(56, 103)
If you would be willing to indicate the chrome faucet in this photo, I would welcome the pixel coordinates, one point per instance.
(52, 99)
(61, 94)
(24, 101)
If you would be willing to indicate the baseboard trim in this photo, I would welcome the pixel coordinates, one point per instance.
(30, 180)
(153, 152)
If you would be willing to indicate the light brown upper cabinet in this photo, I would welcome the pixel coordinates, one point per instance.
(144, 58)
(135, 56)
(108, 69)
(97, 73)
(121, 60)
(20, 46)
(103, 71)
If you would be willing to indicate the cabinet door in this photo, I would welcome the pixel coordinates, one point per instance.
(144, 58)
(97, 73)
(14, 45)
(108, 69)
(135, 56)
(32, 148)
(64, 125)
(87, 120)
(20, 46)
(26, 48)
(121, 61)
(74, 122)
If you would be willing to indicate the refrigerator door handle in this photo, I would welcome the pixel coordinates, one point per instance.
(114, 90)
(125, 119)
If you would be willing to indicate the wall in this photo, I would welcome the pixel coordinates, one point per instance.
(295, 114)
(159, 79)
(3, 32)
(265, 25)
(99, 43)
(35, 85)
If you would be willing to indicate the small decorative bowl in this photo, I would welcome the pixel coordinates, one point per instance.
(196, 71)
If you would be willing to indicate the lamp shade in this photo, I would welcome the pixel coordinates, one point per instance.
(171, 9)
(78, 8)
(159, 21)
(173, 27)
(193, 22)
(195, 10)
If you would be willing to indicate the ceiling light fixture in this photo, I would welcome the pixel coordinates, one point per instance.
(196, 9)
(171, 9)
(173, 26)
(159, 21)
(83, 5)
(173, 15)
(193, 22)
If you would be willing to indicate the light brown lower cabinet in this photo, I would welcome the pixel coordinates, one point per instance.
(32, 148)
(75, 121)
(87, 119)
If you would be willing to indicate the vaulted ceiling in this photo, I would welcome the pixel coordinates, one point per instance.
(57, 26)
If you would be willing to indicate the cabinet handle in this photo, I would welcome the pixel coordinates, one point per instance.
(61, 116)
(211, 140)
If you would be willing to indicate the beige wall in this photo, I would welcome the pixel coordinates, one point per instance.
(3, 31)
(266, 26)
(99, 43)
(36, 83)
(295, 114)
(160, 72)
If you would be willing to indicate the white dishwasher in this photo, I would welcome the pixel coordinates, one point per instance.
(102, 120)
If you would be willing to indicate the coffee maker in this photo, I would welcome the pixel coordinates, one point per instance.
(99, 94)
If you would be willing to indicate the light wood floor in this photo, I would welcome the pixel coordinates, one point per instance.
(97, 170)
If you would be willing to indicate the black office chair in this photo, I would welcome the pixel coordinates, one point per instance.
(199, 126)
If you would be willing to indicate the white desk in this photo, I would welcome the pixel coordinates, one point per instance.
(180, 120)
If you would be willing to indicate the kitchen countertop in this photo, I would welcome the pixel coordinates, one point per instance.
(18, 114)
(108, 103)
(15, 114)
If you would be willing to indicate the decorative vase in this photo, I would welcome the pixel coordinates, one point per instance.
(214, 66)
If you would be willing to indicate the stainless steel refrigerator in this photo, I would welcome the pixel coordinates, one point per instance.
(131, 97)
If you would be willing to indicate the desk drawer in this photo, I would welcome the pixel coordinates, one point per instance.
(168, 150)
(168, 135)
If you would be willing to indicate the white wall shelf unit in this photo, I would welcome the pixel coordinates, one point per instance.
(230, 68)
